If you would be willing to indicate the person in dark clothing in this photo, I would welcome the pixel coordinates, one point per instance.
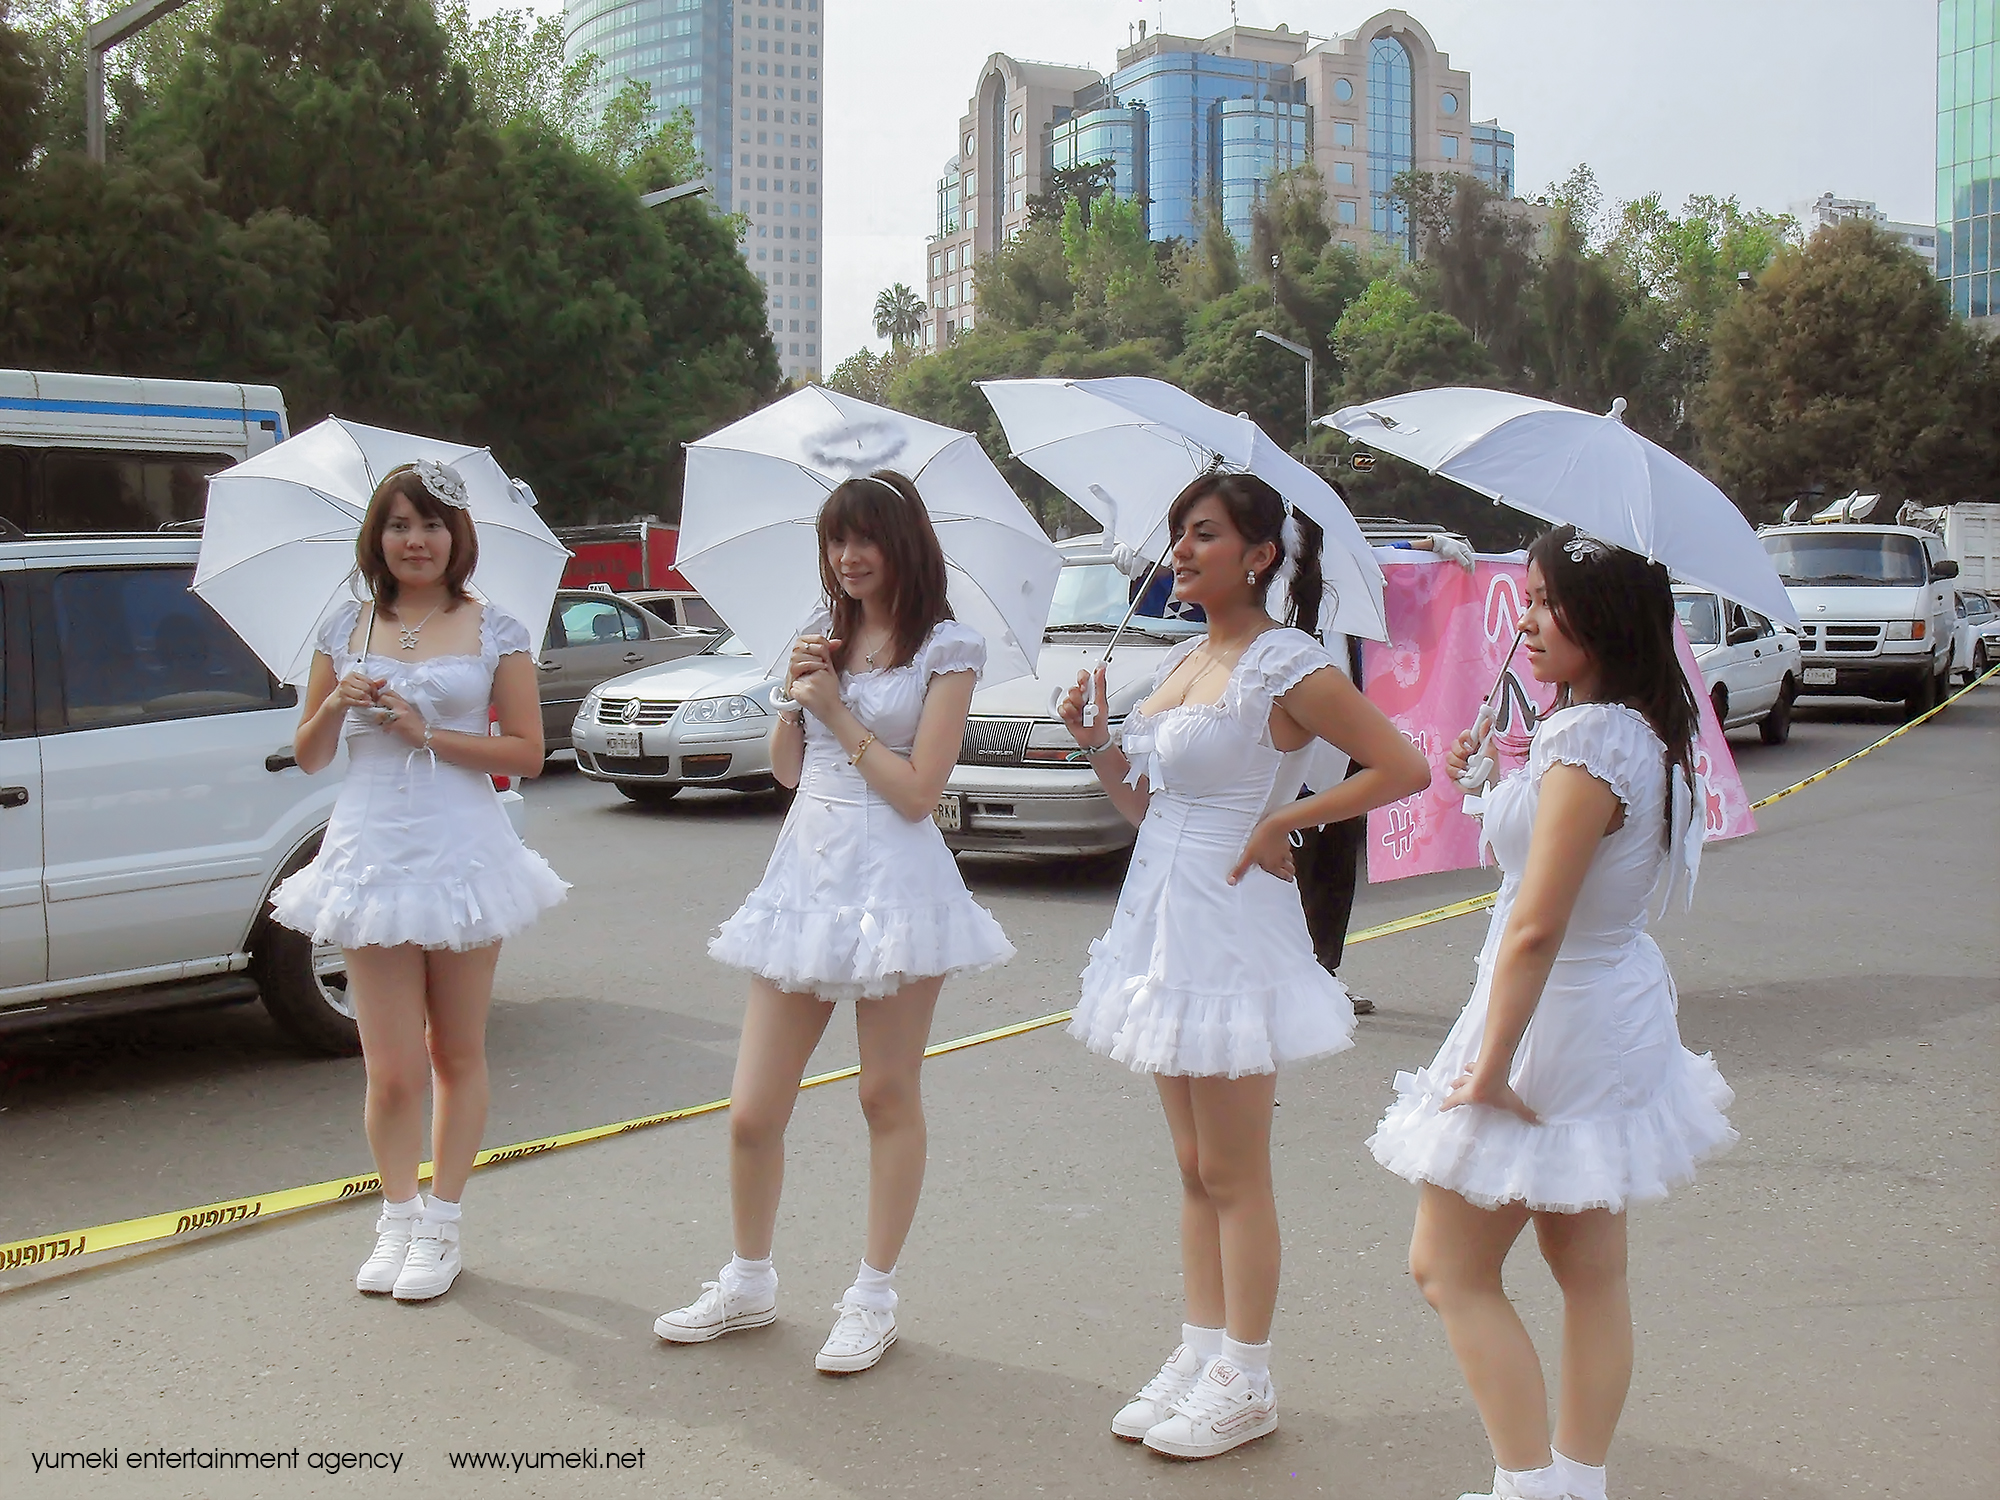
(1328, 866)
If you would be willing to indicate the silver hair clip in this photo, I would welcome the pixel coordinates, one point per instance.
(878, 479)
(443, 482)
(1585, 549)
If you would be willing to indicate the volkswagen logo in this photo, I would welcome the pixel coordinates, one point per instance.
(630, 714)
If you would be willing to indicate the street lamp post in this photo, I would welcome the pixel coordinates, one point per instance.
(672, 194)
(97, 41)
(1305, 354)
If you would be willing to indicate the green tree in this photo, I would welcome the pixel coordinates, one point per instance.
(1593, 343)
(1479, 257)
(1844, 369)
(1025, 283)
(1229, 367)
(135, 71)
(1389, 342)
(867, 375)
(1081, 184)
(899, 315)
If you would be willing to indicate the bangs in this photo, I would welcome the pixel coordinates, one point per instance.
(858, 508)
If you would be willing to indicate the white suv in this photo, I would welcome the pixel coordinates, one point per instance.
(149, 800)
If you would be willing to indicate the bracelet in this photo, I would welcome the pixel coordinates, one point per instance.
(861, 750)
(427, 738)
(1091, 752)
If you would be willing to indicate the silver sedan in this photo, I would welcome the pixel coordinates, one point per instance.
(704, 720)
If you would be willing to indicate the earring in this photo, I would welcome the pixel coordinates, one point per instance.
(1251, 578)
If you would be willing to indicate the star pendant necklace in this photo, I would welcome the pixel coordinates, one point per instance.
(409, 633)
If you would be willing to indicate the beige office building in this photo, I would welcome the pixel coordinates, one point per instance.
(1189, 123)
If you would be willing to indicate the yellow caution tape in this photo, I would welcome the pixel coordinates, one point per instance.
(239, 1211)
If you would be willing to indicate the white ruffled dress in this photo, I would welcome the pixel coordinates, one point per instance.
(1197, 976)
(857, 899)
(1626, 1110)
(418, 850)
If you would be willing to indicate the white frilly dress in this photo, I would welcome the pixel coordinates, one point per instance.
(418, 850)
(1197, 976)
(1626, 1110)
(857, 899)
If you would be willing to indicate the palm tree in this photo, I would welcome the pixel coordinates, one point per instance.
(899, 315)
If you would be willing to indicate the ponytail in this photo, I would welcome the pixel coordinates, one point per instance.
(1308, 585)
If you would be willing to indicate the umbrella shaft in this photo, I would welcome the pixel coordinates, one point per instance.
(1138, 597)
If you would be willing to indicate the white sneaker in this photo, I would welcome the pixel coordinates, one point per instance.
(860, 1337)
(1220, 1411)
(378, 1273)
(1545, 1484)
(1151, 1406)
(721, 1308)
(433, 1262)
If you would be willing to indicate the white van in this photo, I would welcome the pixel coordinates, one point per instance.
(115, 453)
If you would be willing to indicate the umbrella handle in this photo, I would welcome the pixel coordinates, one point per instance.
(1482, 765)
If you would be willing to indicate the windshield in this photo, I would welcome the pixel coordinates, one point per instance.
(1701, 618)
(727, 645)
(1094, 596)
(1847, 557)
(1977, 607)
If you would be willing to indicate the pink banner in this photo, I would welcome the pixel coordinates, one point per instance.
(1448, 633)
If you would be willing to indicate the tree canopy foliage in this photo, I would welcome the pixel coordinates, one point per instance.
(404, 224)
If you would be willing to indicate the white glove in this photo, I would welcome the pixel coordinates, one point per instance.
(1451, 549)
(1131, 563)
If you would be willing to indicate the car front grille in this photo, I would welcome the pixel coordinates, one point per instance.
(611, 711)
(1836, 639)
(994, 742)
(634, 765)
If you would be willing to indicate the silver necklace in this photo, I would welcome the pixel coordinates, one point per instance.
(409, 633)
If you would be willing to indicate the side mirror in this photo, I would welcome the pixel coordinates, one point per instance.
(1945, 567)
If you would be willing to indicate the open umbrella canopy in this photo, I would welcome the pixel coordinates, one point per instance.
(749, 522)
(1578, 469)
(277, 539)
(1122, 447)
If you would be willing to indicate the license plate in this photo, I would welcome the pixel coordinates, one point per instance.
(1819, 676)
(949, 814)
(623, 744)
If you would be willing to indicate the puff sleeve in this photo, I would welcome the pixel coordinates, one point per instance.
(1612, 743)
(501, 634)
(336, 631)
(1282, 659)
(953, 647)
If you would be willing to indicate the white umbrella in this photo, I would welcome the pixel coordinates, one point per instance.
(1124, 446)
(277, 539)
(1579, 469)
(749, 538)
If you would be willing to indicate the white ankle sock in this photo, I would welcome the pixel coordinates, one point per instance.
(751, 1275)
(1580, 1481)
(874, 1289)
(1528, 1484)
(441, 1211)
(409, 1208)
(1205, 1342)
(1254, 1360)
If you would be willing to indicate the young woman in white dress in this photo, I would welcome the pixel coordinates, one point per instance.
(420, 876)
(1206, 977)
(1563, 1093)
(861, 902)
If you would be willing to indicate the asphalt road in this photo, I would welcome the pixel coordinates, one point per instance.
(1816, 1315)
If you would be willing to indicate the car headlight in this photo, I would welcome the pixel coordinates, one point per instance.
(1905, 630)
(1049, 743)
(721, 710)
(586, 712)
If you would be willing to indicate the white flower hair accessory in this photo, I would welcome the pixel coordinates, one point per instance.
(1585, 549)
(444, 483)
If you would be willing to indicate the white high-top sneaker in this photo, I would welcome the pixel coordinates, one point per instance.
(378, 1273)
(433, 1262)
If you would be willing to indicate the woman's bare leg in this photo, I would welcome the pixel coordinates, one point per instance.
(780, 1030)
(1232, 1121)
(893, 1033)
(1586, 1252)
(388, 989)
(1456, 1255)
(460, 994)
(1201, 1234)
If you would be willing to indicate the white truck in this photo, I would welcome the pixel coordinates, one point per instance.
(1972, 540)
(1876, 617)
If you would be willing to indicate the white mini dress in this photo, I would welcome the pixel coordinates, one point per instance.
(1197, 976)
(857, 899)
(418, 850)
(1626, 1110)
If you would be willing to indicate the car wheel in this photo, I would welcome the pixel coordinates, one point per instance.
(649, 793)
(1922, 699)
(1720, 698)
(1776, 726)
(304, 986)
(1980, 665)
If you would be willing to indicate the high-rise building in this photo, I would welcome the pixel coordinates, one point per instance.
(1968, 147)
(1191, 125)
(1919, 239)
(748, 72)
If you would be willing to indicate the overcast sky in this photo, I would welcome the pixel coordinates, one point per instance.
(1772, 101)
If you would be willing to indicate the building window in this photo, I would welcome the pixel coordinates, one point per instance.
(967, 153)
(1343, 132)
(1020, 163)
(1448, 103)
(1391, 133)
(1017, 122)
(1343, 173)
(951, 259)
(937, 267)
(1448, 147)
(1343, 90)
(1348, 211)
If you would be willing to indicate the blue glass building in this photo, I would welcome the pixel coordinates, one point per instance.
(1968, 148)
(1493, 157)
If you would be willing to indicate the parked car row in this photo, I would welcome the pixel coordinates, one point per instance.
(1975, 643)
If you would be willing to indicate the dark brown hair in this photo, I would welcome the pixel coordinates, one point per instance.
(1258, 513)
(1619, 609)
(885, 508)
(373, 565)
